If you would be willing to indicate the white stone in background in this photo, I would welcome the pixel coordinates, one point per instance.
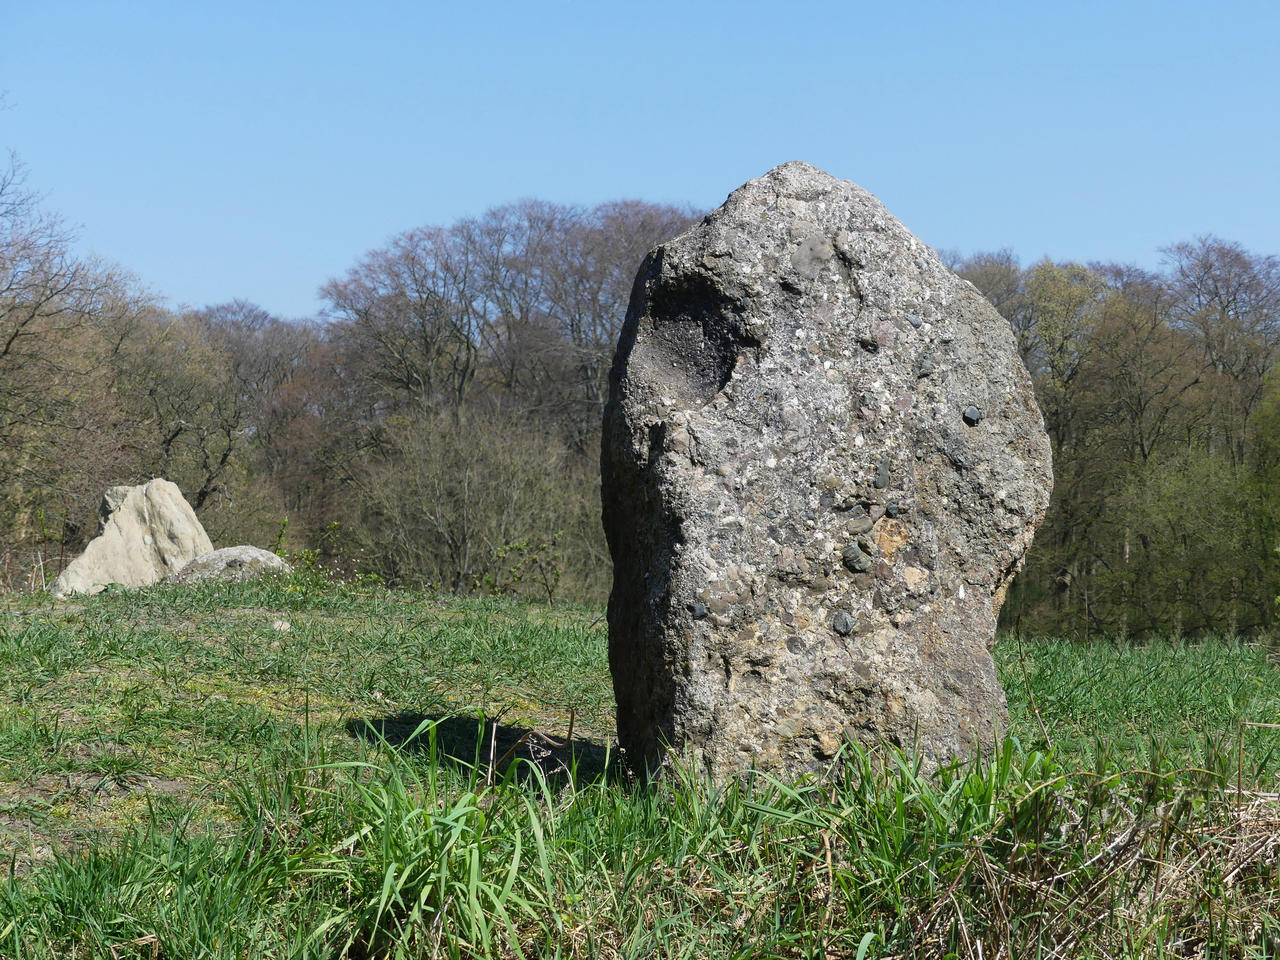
(146, 533)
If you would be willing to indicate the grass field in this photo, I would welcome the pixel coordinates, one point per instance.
(304, 769)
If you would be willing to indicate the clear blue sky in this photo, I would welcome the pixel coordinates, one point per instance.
(254, 150)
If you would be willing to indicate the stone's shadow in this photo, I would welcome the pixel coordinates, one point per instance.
(468, 743)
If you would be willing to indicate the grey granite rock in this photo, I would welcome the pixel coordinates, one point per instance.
(232, 563)
(766, 408)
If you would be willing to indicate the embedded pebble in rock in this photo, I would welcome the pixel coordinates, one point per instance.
(882, 475)
(860, 522)
(811, 534)
(856, 557)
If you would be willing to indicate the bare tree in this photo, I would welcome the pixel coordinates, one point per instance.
(408, 314)
(589, 285)
(1230, 300)
(524, 301)
(59, 426)
(1143, 369)
(47, 295)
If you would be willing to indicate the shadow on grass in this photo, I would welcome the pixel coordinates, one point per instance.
(469, 743)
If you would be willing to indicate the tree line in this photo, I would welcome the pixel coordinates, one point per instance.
(440, 423)
(1160, 395)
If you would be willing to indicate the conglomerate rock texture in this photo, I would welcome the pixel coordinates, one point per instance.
(145, 534)
(822, 465)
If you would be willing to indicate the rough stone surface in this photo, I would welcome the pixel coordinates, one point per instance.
(811, 532)
(232, 563)
(145, 534)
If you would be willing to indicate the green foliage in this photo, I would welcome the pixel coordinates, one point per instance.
(531, 560)
(1192, 564)
(1159, 396)
(279, 544)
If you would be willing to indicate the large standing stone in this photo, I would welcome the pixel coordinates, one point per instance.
(146, 533)
(822, 465)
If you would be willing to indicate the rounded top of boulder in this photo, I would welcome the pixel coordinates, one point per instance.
(797, 228)
(780, 193)
(799, 179)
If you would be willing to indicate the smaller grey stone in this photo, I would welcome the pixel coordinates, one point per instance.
(926, 368)
(882, 474)
(972, 415)
(842, 624)
(915, 321)
(809, 514)
(891, 510)
(860, 523)
(855, 559)
(699, 610)
(771, 514)
(232, 564)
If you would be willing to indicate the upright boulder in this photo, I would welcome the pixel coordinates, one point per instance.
(822, 465)
(145, 534)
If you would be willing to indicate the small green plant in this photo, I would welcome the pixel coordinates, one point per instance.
(534, 561)
(280, 544)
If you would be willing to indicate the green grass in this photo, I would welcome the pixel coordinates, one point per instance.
(1108, 704)
(183, 776)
